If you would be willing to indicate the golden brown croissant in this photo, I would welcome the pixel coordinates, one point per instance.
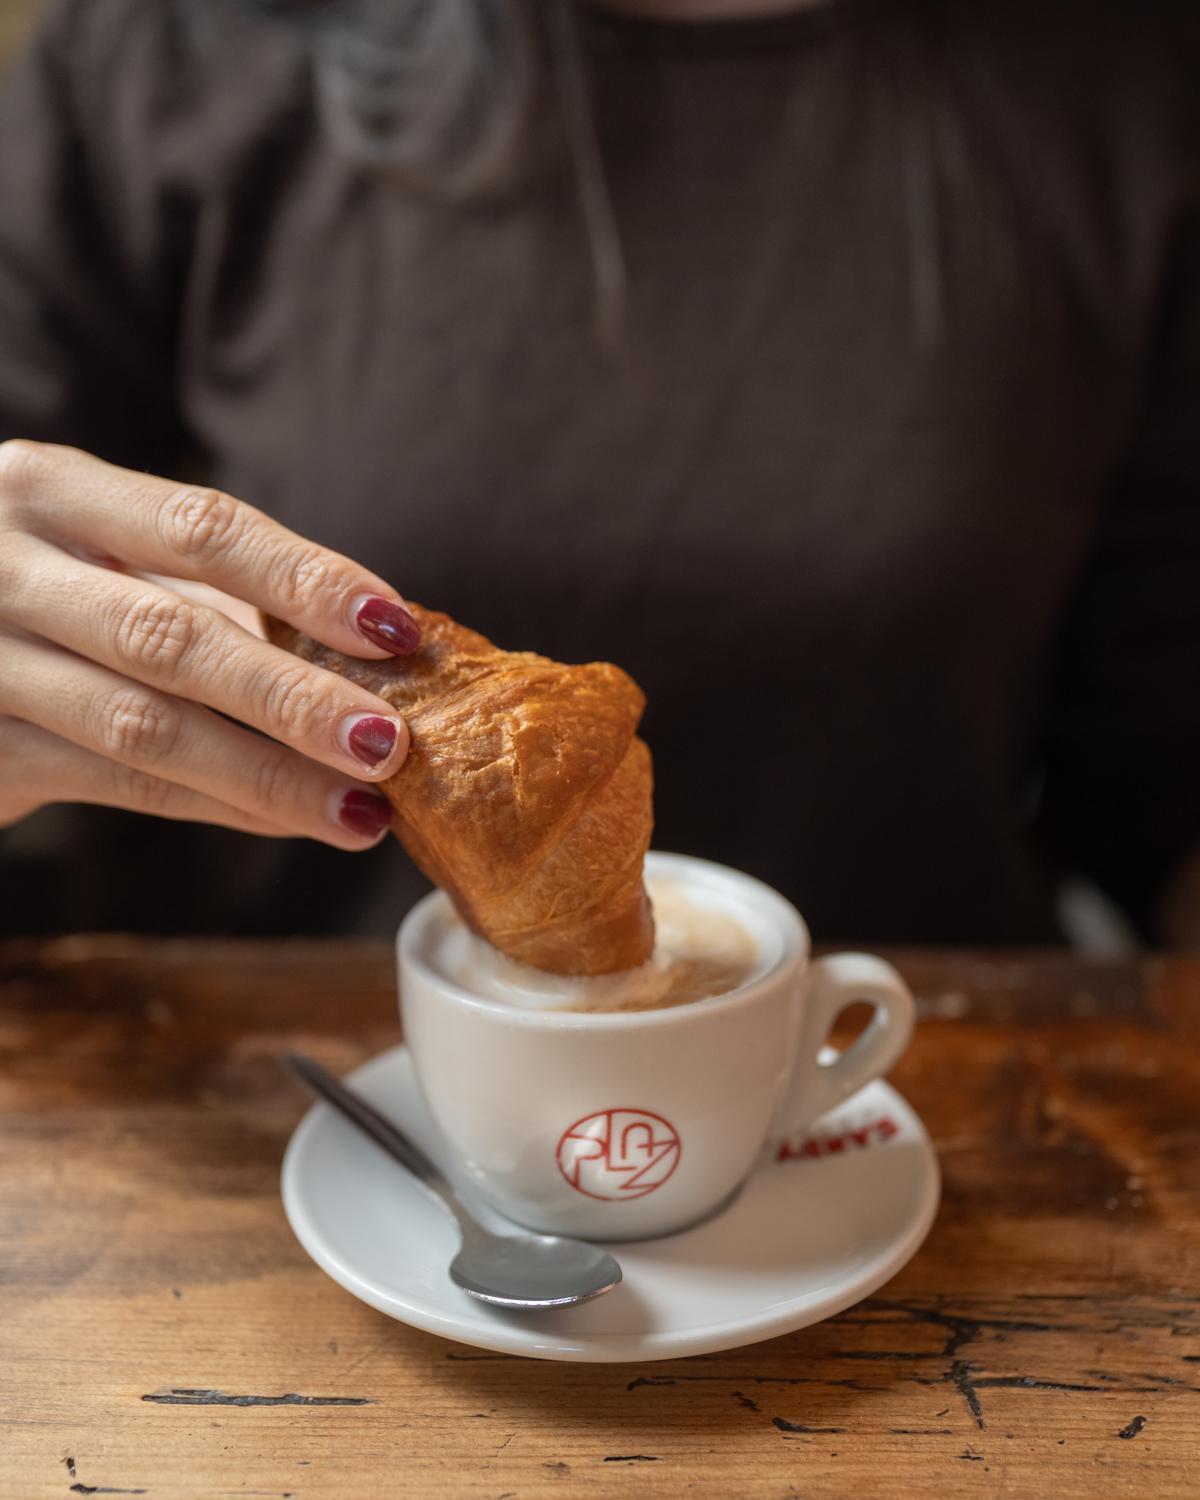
(526, 794)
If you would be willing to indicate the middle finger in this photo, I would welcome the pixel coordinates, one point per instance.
(183, 744)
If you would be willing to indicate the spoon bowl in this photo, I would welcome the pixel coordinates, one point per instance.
(518, 1270)
(529, 1271)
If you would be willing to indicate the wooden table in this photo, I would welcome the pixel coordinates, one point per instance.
(163, 1334)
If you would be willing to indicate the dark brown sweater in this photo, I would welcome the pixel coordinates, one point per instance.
(890, 500)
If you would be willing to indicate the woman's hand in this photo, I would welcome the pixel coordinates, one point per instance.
(108, 681)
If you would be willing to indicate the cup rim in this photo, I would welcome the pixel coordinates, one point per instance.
(795, 954)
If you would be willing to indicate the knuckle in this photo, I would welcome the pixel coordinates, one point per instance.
(292, 702)
(137, 728)
(275, 783)
(141, 793)
(157, 632)
(302, 577)
(200, 524)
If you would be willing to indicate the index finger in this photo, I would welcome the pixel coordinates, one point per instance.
(191, 531)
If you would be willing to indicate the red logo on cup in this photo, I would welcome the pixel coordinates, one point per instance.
(619, 1153)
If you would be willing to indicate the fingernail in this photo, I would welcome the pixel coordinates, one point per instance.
(369, 738)
(386, 625)
(363, 813)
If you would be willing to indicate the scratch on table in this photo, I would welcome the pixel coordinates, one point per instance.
(631, 1458)
(960, 1329)
(960, 1378)
(851, 1383)
(103, 1489)
(1159, 1380)
(785, 1426)
(961, 1375)
(369, 1353)
(194, 1396)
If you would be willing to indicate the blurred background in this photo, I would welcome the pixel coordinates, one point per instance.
(899, 456)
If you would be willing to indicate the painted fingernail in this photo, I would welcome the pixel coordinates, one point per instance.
(387, 625)
(369, 738)
(363, 813)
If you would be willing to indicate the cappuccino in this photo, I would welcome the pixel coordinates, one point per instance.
(631, 1105)
(702, 947)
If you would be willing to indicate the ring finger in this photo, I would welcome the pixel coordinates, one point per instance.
(179, 742)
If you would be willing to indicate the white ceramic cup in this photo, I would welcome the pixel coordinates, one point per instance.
(621, 1125)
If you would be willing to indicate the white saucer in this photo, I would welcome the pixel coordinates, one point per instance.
(806, 1236)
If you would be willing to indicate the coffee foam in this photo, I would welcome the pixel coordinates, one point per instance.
(701, 948)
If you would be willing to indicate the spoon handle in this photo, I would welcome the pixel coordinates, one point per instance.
(368, 1119)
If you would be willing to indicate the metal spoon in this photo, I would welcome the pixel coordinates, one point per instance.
(520, 1270)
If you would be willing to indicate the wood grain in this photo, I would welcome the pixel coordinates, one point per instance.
(163, 1334)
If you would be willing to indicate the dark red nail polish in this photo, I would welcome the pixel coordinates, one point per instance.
(364, 813)
(387, 625)
(371, 739)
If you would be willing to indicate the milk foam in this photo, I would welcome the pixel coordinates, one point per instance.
(701, 948)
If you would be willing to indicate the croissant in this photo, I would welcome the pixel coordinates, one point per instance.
(526, 794)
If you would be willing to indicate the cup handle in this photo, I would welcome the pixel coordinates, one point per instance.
(831, 985)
